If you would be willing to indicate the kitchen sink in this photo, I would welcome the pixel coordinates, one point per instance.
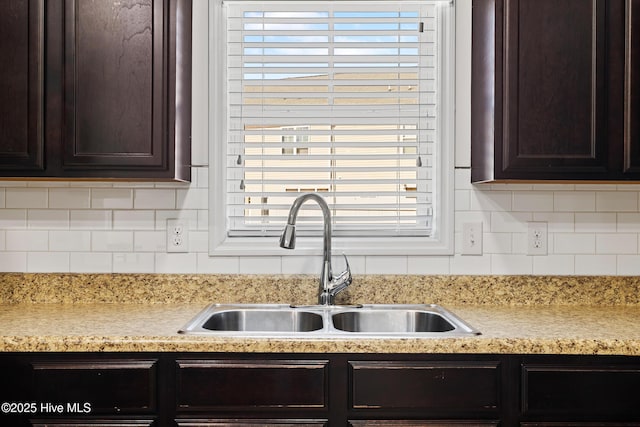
(327, 321)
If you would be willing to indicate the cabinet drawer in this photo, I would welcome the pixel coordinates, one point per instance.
(565, 390)
(433, 386)
(92, 423)
(250, 385)
(421, 423)
(109, 386)
(251, 423)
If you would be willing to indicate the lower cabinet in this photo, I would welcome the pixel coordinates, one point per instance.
(570, 391)
(312, 390)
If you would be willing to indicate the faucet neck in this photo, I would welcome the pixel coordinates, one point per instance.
(326, 275)
(326, 214)
(328, 285)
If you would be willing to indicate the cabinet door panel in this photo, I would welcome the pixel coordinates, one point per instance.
(114, 66)
(632, 90)
(91, 423)
(420, 423)
(573, 391)
(218, 385)
(21, 87)
(109, 386)
(251, 423)
(579, 424)
(425, 386)
(555, 87)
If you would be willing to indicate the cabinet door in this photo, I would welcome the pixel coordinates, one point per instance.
(126, 88)
(95, 387)
(554, 115)
(446, 389)
(632, 90)
(420, 423)
(579, 424)
(569, 392)
(553, 91)
(113, 73)
(251, 423)
(21, 85)
(91, 423)
(248, 386)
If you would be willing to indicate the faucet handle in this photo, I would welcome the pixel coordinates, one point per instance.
(343, 279)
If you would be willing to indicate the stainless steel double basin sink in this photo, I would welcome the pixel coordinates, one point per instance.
(332, 321)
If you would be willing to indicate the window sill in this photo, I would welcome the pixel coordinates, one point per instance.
(268, 246)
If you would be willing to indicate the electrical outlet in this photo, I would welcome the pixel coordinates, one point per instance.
(472, 238)
(537, 238)
(177, 235)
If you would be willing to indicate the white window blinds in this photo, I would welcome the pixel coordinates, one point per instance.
(338, 98)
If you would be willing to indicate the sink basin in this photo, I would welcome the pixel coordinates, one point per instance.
(391, 321)
(334, 321)
(415, 320)
(254, 319)
(283, 320)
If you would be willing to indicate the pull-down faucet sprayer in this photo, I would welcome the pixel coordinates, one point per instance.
(330, 286)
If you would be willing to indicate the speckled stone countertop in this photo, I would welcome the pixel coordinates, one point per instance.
(516, 314)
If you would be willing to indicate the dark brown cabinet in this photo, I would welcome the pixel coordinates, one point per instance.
(22, 85)
(548, 90)
(103, 89)
(437, 387)
(572, 391)
(304, 390)
(80, 390)
(632, 89)
(221, 385)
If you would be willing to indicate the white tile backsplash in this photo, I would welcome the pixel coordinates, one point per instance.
(616, 243)
(47, 219)
(576, 243)
(154, 199)
(617, 201)
(96, 219)
(112, 241)
(26, 197)
(133, 220)
(590, 265)
(628, 222)
(70, 241)
(595, 222)
(133, 262)
(70, 198)
(27, 240)
(90, 262)
(122, 228)
(13, 219)
(48, 262)
(574, 201)
(13, 262)
(112, 198)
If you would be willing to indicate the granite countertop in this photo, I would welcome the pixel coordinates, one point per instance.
(33, 317)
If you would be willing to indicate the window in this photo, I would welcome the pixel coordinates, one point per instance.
(349, 99)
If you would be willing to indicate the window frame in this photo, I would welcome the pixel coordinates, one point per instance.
(441, 242)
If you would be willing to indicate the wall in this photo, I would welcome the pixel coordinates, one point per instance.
(120, 227)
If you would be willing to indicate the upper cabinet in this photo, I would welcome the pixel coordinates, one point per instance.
(553, 90)
(21, 85)
(632, 90)
(103, 89)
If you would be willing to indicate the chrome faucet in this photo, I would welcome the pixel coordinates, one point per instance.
(330, 286)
